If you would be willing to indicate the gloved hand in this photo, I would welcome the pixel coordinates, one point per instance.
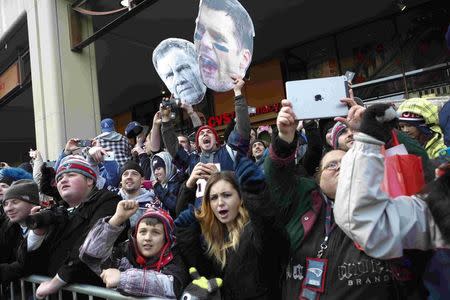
(201, 288)
(378, 121)
(249, 176)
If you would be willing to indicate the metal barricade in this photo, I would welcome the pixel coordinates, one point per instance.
(76, 289)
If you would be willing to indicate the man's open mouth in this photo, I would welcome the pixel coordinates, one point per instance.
(208, 66)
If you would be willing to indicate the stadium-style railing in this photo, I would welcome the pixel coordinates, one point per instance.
(24, 292)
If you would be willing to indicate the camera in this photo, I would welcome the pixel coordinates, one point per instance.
(84, 143)
(46, 217)
(170, 103)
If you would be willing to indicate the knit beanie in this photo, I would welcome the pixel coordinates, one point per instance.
(336, 132)
(166, 254)
(158, 162)
(23, 189)
(76, 164)
(131, 165)
(412, 118)
(198, 134)
(164, 217)
(417, 121)
(9, 175)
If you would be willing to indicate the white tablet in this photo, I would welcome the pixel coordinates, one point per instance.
(318, 98)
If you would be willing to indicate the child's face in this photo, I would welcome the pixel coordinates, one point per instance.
(150, 239)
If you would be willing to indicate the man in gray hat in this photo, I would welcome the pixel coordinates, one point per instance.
(17, 202)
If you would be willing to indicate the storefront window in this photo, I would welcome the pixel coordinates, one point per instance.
(422, 31)
(313, 60)
(371, 51)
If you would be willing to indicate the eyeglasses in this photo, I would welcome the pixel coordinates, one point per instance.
(333, 165)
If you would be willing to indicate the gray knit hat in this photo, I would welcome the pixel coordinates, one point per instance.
(25, 190)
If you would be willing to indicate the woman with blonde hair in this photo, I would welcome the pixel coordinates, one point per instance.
(236, 235)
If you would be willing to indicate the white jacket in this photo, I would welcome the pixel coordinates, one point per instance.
(382, 226)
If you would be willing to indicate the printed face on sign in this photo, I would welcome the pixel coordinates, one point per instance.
(224, 42)
(175, 60)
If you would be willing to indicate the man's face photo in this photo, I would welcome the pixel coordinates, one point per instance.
(178, 68)
(223, 50)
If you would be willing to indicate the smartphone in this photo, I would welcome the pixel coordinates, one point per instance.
(349, 75)
(110, 156)
(84, 143)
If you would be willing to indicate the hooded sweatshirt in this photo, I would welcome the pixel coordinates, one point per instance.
(161, 276)
(145, 199)
(167, 191)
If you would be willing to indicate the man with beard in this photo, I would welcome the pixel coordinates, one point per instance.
(224, 42)
(207, 140)
(132, 177)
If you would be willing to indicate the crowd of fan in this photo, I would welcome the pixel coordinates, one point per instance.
(147, 213)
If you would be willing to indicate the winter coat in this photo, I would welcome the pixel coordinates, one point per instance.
(255, 268)
(429, 112)
(384, 227)
(11, 267)
(444, 122)
(351, 273)
(167, 192)
(238, 141)
(59, 252)
(98, 253)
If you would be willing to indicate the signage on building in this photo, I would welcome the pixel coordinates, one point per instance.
(226, 118)
(9, 80)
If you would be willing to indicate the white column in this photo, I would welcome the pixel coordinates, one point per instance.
(64, 83)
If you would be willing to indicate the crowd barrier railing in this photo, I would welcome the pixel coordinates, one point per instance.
(76, 289)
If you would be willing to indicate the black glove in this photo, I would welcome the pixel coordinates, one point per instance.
(378, 121)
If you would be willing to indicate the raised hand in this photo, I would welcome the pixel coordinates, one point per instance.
(286, 122)
(124, 210)
(71, 145)
(238, 85)
(354, 117)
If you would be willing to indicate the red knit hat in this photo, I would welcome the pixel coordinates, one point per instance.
(202, 128)
(166, 254)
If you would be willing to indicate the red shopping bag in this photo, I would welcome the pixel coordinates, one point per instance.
(403, 174)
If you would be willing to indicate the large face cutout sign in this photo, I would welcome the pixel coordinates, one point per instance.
(223, 39)
(175, 60)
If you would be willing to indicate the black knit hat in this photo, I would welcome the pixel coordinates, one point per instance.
(131, 165)
(25, 190)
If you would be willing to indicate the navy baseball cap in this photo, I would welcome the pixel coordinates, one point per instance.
(107, 125)
(133, 129)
